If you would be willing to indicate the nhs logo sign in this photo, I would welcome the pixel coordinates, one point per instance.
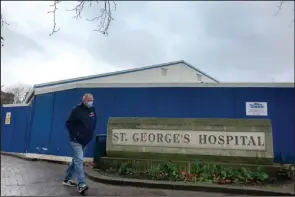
(256, 109)
(256, 105)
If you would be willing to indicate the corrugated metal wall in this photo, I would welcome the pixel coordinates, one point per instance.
(49, 136)
(14, 136)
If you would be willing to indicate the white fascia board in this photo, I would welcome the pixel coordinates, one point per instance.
(16, 105)
(55, 88)
(62, 87)
(135, 85)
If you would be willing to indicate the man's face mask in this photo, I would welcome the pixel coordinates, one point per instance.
(89, 104)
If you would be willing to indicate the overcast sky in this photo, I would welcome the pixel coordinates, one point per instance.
(232, 41)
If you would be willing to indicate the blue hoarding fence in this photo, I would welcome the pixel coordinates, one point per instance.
(14, 128)
(50, 111)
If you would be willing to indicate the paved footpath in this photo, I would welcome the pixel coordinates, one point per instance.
(32, 178)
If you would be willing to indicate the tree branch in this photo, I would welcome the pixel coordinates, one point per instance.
(280, 6)
(104, 19)
(79, 8)
(53, 12)
(3, 22)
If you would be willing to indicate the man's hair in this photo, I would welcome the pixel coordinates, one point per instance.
(86, 95)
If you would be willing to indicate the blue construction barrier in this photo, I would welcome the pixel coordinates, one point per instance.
(48, 134)
(14, 127)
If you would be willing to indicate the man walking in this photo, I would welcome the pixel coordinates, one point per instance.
(81, 125)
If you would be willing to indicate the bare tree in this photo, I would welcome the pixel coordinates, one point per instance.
(6, 98)
(20, 91)
(280, 7)
(103, 18)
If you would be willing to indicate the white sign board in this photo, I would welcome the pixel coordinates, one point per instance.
(256, 109)
(189, 139)
(7, 118)
(8, 114)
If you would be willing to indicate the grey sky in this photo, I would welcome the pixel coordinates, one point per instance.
(231, 41)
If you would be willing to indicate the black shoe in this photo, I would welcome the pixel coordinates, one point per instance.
(82, 187)
(69, 183)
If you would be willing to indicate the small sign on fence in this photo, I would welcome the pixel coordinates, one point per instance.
(7, 117)
(256, 109)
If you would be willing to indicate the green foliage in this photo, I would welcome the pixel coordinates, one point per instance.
(172, 171)
(125, 169)
(208, 173)
(205, 173)
(156, 173)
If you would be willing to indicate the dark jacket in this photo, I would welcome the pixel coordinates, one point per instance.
(81, 124)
